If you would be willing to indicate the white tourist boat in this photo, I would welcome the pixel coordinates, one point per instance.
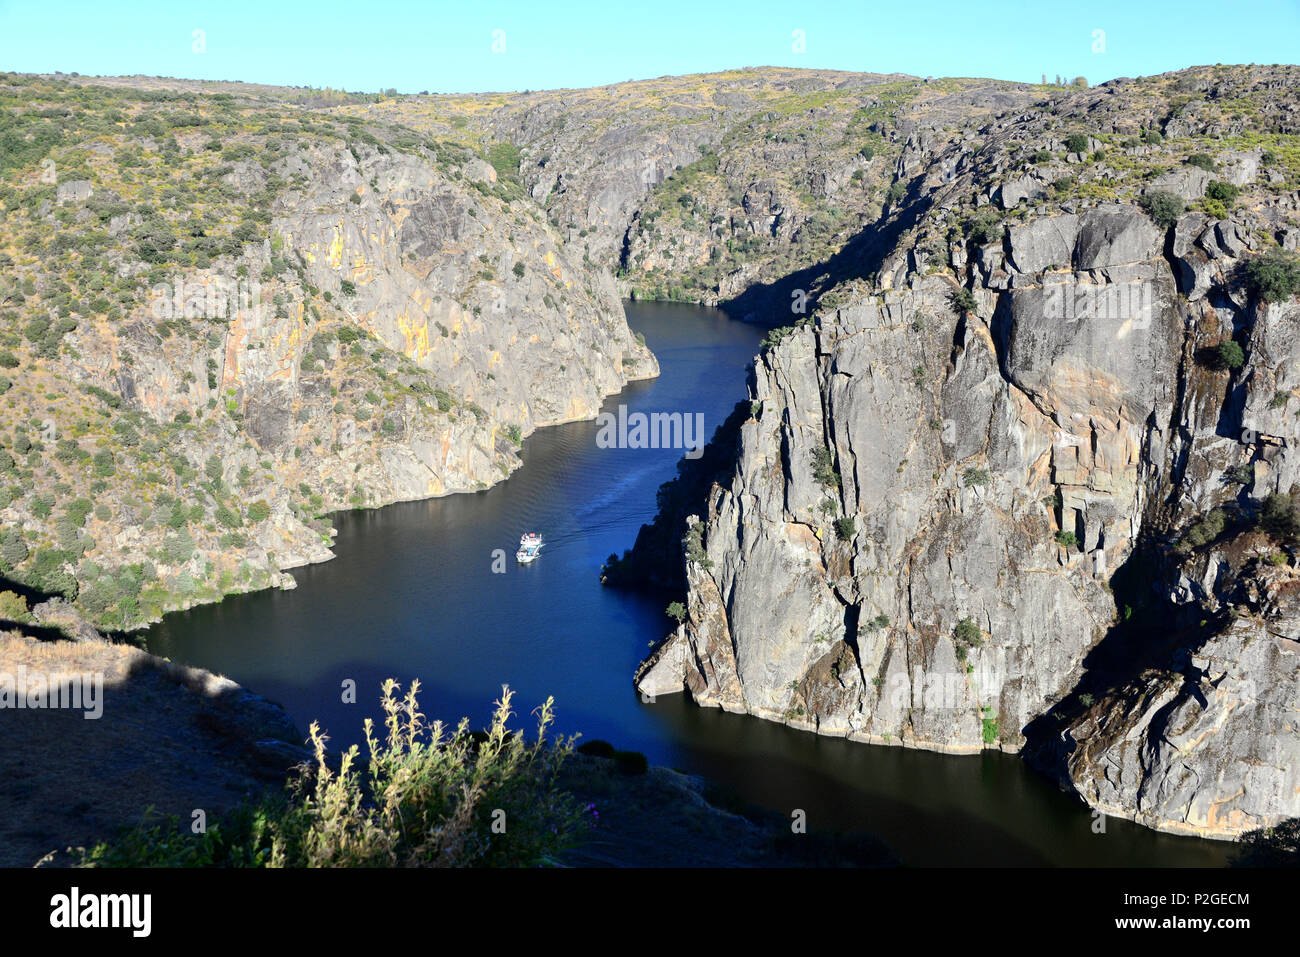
(530, 546)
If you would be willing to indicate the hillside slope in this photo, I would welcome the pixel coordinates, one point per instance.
(223, 317)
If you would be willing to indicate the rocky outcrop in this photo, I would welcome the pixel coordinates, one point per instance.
(1209, 751)
(957, 483)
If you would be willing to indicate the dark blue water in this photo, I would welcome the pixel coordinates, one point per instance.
(412, 594)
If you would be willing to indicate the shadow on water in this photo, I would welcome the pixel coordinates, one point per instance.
(412, 595)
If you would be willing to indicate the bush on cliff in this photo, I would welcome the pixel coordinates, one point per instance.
(1273, 277)
(1230, 355)
(1280, 517)
(1076, 143)
(1163, 207)
(984, 226)
(963, 300)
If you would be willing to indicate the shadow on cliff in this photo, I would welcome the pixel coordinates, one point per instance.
(860, 257)
(654, 562)
(1150, 634)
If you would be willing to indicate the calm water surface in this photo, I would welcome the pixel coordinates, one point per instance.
(412, 595)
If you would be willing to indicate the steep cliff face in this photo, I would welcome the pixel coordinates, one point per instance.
(958, 480)
(719, 188)
(222, 320)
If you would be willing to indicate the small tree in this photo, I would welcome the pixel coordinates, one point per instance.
(1230, 355)
(1273, 277)
(983, 226)
(824, 468)
(963, 300)
(968, 634)
(676, 610)
(1163, 207)
(1224, 192)
(1076, 143)
(1279, 519)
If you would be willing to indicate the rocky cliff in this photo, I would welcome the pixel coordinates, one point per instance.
(1024, 484)
(224, 316)
(1019, 475)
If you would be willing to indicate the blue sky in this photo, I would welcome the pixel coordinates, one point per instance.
(449, 47)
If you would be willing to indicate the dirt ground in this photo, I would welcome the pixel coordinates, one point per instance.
(171, 738)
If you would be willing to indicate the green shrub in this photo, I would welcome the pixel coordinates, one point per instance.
(977, 476)
(983, 226)
(1206, 530)
(519, 269)
(963, 300)
(1239, 474)
(1163, 207)
(897, 190)
(631, 762)
(1067, 539)
(1273, 277)
(1229, 355)
(597, 748)
(1279, 518)
(989, 727)
(968, 634)
(1201, 161)
(1076, 143)
(824, 468)
(845, 528)
(259, 511)
(177, 548)
(13, 607)
(693, 544)
(1224, 192)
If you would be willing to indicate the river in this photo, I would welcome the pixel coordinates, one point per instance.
(413, 594)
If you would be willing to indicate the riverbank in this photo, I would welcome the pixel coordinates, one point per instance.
(182, 744)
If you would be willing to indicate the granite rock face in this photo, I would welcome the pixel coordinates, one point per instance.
(1209, 752)
(840, 598)
(1008, 495)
